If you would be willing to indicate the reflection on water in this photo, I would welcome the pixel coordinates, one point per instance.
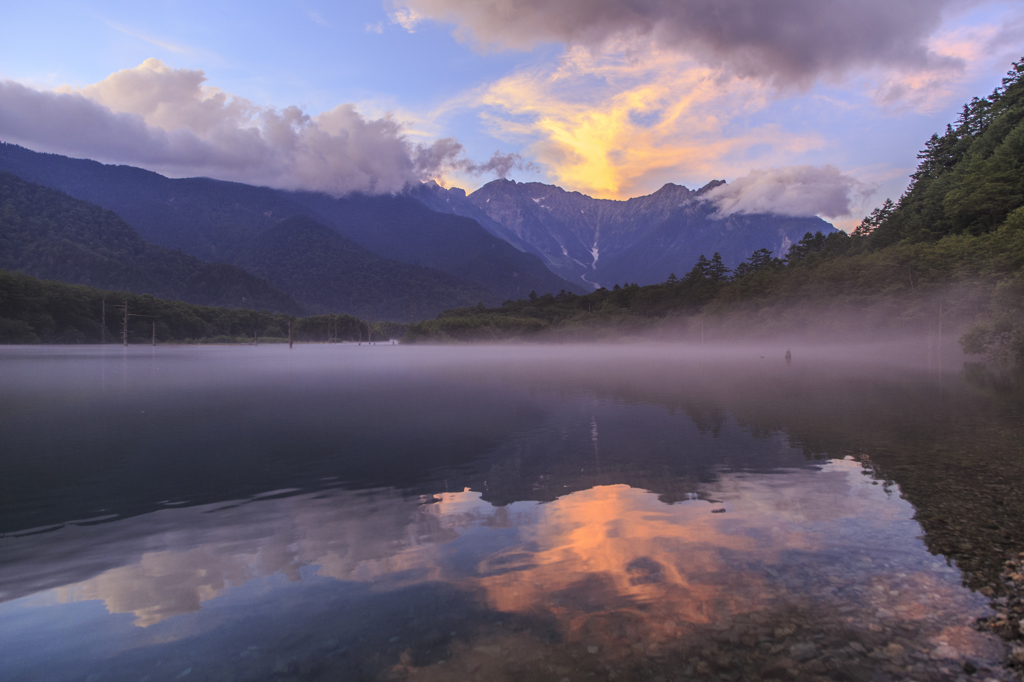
(435, 514)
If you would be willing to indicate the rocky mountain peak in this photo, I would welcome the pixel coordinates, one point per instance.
(710, 186)
(600, 241)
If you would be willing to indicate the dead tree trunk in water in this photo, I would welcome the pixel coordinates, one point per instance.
(154, 333)
(103, 321)
(289, 333)
(124, 326)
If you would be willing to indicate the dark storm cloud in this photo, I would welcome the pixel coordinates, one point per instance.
(787, 41)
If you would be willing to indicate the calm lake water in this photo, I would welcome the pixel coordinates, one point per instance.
(499, 513)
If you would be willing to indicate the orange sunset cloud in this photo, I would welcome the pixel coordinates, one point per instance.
(613, 125)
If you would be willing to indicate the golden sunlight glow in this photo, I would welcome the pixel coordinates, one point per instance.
(614, 125)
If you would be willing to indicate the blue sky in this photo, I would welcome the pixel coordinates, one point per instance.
(613, 99)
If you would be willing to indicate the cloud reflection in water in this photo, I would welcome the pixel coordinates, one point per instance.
(592, 552)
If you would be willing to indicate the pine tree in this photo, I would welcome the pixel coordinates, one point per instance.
(703, 266)
(876, 219)
(717, 272)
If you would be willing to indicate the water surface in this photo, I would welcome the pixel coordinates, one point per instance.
(480, 512)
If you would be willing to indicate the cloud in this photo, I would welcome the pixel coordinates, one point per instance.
(72, 123)
(614, 127)
(167, 98)
(982, 47)
(501, 165)
(1008, 35)
(799, 191)
(377, 28)
(168, 120)
(405, 17)
(786, 41)
(625, 110)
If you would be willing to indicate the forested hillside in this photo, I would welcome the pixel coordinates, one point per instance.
(948, 255)
(48, 234)
(970, 178)
(42, 311)
(328, 273)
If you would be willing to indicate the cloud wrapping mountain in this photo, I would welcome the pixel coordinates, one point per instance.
(796, 191)
(167, 120)
(789, 41)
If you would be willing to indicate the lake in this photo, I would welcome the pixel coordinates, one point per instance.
(619, 512)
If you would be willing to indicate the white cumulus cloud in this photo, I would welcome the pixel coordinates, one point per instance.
(170, 121)
(799, 191)
(406, 17)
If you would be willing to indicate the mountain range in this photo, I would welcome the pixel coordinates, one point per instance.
(218, 222)
(385, 257)
(601, 242)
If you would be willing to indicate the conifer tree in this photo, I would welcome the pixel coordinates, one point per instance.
(717, 272)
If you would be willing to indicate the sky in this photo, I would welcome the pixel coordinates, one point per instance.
(806, 107)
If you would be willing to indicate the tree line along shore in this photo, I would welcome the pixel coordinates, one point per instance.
(45, 311)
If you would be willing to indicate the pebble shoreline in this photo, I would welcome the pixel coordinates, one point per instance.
(1008, 623)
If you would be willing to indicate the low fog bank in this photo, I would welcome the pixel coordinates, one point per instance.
(937, 321)
(68, 369)
(825, 336)
(663, 352)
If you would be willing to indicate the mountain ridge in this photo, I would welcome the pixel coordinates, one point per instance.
(641, 239)
(214, 220)
(329, 273)
(48, 234)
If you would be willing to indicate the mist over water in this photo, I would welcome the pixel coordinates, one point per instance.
(493, 512)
